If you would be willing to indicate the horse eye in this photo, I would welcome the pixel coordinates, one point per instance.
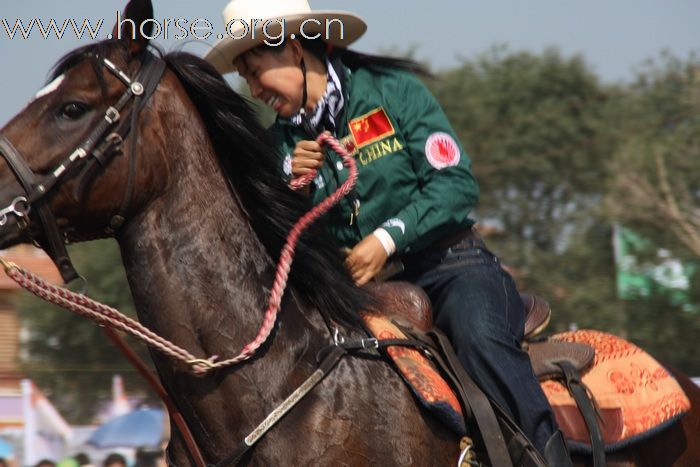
(73, 110)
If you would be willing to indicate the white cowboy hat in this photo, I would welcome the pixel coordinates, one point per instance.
(250, 23)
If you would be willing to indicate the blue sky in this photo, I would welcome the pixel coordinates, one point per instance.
(614, 36)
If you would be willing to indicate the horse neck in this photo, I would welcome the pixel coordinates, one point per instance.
(198, 274)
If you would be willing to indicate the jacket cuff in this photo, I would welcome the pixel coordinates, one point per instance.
(386, 241)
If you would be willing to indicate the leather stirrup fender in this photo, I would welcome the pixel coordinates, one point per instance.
(586, 406)
(556, 452)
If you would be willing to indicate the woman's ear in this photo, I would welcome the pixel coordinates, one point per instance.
(135, 25)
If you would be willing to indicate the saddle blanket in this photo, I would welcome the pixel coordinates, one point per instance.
(419, 373)
(636, 396)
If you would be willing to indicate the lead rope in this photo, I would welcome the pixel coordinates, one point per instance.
(103, 314)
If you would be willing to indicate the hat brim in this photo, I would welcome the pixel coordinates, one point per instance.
(226, 50)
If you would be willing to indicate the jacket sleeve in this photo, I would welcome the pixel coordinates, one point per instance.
(447, 190)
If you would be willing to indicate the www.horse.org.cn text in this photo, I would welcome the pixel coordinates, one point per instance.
(274, 31)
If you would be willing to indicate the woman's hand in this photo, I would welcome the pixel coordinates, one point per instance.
(366, 259)
(307, 156)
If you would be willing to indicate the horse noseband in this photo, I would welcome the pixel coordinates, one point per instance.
(102, 143)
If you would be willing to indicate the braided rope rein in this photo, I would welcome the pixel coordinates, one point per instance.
(106, 315)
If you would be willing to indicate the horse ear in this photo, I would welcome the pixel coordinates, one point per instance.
(135, 25)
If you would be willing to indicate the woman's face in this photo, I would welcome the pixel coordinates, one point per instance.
(274, 77)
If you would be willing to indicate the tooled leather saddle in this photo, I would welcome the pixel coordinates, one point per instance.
(409, 305)
(636, 396)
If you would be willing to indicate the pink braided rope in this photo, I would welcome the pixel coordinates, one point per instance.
(300, 182)
(304, 180)
(103, 314)
(287, 255)
(95, 311)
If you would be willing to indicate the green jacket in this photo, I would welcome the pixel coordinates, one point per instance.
(415, 178)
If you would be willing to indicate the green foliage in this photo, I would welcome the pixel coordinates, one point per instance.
(70, 357)
(533, 126)
(580, 283)
(548, 142)
(530, 124)
(656, 168)
(666, 332)
(654, 188)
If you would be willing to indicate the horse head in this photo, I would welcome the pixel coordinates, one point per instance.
(77, 161)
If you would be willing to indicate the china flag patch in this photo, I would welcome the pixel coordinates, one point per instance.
(371, 127)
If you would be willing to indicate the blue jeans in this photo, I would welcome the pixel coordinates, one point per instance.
(476, 304)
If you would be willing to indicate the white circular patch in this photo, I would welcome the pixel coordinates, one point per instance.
(442, 150)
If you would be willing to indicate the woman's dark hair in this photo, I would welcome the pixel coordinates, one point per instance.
(351, 58)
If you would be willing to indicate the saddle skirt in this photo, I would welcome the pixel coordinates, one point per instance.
(635, 395)
(419, 373)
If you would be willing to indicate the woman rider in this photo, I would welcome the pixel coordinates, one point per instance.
(414, 191)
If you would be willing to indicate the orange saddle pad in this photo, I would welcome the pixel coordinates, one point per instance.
(419, 373)
(636, 396)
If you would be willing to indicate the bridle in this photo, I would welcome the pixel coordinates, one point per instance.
(101, 146)
(98, 149)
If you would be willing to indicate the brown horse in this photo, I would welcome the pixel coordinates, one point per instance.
(205, 214)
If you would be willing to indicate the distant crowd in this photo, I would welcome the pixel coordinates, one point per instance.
(145, 457)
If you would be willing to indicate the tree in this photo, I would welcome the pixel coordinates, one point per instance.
(534, 127)
(541, 130)
(654, 189)
(657, 169)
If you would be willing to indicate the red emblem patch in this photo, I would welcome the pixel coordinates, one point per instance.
(442, 150)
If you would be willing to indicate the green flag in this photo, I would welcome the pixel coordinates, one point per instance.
(644, 270)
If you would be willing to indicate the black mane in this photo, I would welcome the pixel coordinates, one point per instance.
(251, 162)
